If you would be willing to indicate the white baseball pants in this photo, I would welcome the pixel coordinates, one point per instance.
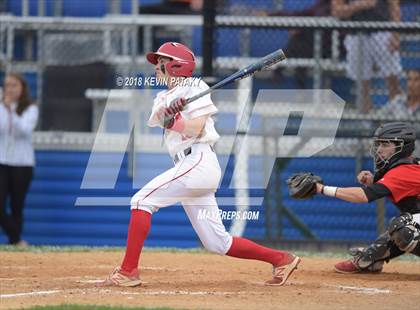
(193, 181)
(368, 52)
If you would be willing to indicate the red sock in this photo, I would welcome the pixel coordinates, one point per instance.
(244, 248)
(137, 232)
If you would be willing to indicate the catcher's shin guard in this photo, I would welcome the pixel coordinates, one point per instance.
(416, 250)
(405, 233)
(382, 249)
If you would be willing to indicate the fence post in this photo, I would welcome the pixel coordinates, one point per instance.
(209, 15)
(241, 148)
(380, 216)
(318, 58)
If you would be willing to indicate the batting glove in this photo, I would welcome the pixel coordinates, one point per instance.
(176, 106)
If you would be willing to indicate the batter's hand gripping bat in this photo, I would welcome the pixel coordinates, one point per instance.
(262, 64)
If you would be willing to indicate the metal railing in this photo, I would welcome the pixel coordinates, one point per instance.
(123, 30)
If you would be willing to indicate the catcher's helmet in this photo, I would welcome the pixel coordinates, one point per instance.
(182, 59)
(402, 135)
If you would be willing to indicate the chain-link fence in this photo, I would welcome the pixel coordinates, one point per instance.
(363, 54)
(366, 52)
(368, 56)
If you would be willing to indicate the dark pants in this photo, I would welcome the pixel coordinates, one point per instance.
(171, 8)
(14, 184)
(166, 8)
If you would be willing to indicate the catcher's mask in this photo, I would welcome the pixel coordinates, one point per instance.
(392, 142)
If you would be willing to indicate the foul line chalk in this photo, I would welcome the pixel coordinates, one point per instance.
(109, 291)
(29, 294)
(364, 290)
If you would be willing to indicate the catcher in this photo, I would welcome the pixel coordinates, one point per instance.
(397, 176)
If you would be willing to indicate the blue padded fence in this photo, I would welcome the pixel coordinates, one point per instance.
(52, 218)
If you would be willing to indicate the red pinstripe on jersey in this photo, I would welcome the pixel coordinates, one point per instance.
(173, 179)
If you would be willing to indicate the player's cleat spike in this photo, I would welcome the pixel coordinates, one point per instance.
(118, 278)
(282, 272)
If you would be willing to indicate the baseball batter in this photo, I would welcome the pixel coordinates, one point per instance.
(190, 136)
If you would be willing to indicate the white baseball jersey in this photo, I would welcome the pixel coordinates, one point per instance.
(176, 141)
(16, 147)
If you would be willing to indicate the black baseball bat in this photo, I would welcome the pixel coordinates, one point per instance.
(264, 63)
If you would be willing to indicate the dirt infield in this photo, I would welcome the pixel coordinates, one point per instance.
(204, 281)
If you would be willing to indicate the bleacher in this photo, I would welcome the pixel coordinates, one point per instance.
(261, 41)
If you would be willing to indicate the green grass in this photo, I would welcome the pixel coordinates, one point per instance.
(91, 307)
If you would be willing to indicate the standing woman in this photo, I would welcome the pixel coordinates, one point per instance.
(18, 118)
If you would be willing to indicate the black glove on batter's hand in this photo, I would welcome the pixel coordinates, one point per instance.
(303, 185)
(176, 106)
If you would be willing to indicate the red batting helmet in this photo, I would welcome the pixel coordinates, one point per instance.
(182, 58)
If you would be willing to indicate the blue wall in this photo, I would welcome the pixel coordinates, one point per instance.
(332, 219)
(51, 216)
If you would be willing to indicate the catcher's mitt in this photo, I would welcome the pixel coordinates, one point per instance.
(303, 185)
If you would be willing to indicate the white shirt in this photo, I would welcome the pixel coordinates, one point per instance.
(399, 107)
(16, 135)
(176, 141)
